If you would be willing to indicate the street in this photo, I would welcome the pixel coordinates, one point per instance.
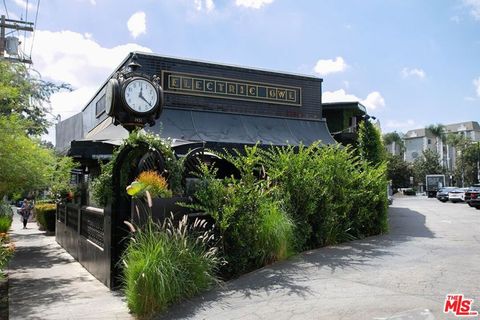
(432, 250)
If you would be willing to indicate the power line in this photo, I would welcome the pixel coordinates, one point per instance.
(25, 32)
(6, 10)
(35, 26)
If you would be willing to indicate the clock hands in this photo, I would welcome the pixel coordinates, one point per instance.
(140, 95)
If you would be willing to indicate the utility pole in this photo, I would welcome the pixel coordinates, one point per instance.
(6, 24)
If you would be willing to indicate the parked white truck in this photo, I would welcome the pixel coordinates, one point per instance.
(433, 183)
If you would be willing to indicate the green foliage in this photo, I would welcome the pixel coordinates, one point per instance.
(25, 94)
(391, 137)
(398, 171)
(5, 223)
(254, 227)
(6, 252)
(329, 193)
(5, 209)
(24, 164)
(428, 164)
(60, 181)
(333, 195)
(168, 263)
(370, 145)
(467, 164)
(101, 187)
(45, 214)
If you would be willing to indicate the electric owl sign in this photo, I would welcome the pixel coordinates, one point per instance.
(133, 99)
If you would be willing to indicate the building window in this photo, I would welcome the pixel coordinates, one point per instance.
(100, 106)
(429, 141)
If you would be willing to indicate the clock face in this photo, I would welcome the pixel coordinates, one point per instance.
(140, 95)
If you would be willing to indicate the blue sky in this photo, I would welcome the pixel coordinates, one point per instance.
(412, 63)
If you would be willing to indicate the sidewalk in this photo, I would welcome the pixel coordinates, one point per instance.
(47, 283)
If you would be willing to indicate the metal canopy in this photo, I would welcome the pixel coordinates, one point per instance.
(225, 128)
(214, 129)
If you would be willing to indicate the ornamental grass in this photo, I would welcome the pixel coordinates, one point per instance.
(166, 263)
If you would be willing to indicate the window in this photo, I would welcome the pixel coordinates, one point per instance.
(429, 141)
(100, 106)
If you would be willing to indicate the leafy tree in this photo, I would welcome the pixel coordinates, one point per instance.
(370, 145)
(394, 137)
(24, 164)
(460, 143)
(428, 164)
(398, 171)
(24, 93)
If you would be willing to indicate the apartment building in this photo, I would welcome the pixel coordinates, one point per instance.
(418, 140)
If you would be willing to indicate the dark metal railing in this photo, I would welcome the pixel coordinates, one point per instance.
(72, 217)
(91, 225)
(61, 212)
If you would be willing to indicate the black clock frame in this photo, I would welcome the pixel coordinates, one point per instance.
(119, 109)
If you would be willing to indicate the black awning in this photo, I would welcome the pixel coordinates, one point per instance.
(225, 128)
(215, 130)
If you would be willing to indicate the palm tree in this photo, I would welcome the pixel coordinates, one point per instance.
(439, 132)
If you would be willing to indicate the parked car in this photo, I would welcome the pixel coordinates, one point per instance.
(474, 202)
(457, 195)
(472, 193)
(442, 194)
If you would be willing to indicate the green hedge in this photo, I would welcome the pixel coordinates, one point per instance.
(45, 213)
(293, 199)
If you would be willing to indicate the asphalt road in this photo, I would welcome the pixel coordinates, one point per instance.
(433, 249)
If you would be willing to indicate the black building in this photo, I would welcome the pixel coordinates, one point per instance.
(206, 105)
(211, 104)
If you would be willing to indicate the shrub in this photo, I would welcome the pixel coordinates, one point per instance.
(46, 216)
(6, 217)
(332, 194)
(101, 186)
(5, 223)
(6, 252)
(254, 226)
(409, 192)
(167, 263)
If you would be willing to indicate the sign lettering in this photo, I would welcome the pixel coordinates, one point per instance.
(197, 85)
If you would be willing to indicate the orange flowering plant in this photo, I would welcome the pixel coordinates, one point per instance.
(152, 182)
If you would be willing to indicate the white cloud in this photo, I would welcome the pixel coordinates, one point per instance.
(413, 72)
(254, 4)
(137, 24)
(373, 101)
(208, 5)
(474, 6)
(75, 58)
(325, 67)
(476, 83)
(338, 96)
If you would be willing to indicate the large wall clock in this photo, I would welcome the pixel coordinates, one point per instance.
(140, 95)
(134, 100)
